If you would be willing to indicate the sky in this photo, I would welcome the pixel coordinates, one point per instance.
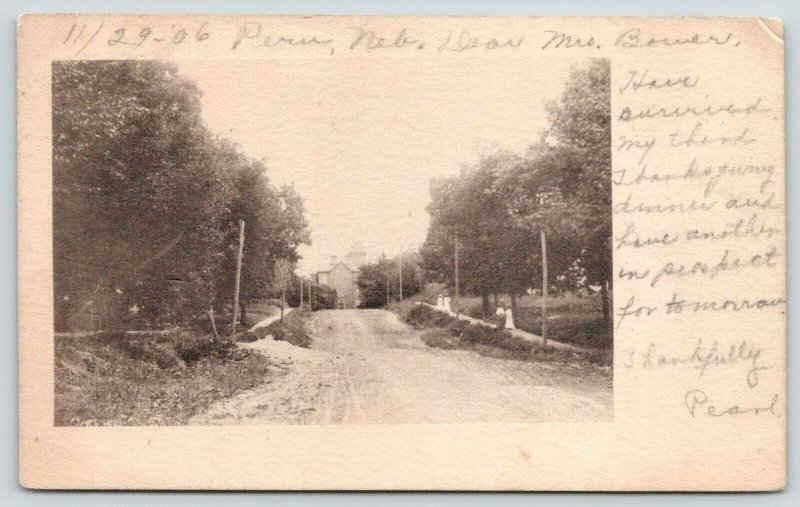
(361, 139)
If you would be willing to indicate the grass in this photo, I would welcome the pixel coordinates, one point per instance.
(446, 332)
(256, 312)
(571, 318)
(148, 379)
(292, 329)
(251, 336)
(441, 339)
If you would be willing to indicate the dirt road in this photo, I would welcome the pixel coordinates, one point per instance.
(368, 367)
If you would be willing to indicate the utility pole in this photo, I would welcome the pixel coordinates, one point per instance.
(238, 275)
(401, 276)
(388, 279)
(544, 288)
(301, 290)
(213, 324)
(283, 300)
(455, 299)
(310, 301)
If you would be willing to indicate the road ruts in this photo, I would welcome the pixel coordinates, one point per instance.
(365, 366)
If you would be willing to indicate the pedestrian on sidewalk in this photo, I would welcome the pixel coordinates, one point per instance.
(510, 318)
(500, 318)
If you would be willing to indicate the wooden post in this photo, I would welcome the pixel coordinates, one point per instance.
(283, 300)
(301, 291)
(310, 301)
(213, 324)
(455, 299)
(544, 288)
(236, 280)
(388, 280)
(401, 276)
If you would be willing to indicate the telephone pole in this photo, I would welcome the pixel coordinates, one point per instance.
(455, 299)
(301, 290)
(388, 280)
(544, 288)
(401, 276)
(238, 276)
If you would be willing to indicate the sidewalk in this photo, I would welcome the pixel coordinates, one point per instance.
(516, 332)
(272, 318)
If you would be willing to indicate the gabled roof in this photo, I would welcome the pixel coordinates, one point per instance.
(336, 266)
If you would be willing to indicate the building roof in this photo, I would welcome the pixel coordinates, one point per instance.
(337, 265)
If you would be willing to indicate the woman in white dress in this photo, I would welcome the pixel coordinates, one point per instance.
(446, 304)
(500, 318)
(509, 319)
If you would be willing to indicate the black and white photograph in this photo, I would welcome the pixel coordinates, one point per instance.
(401, 253)
(296, 241)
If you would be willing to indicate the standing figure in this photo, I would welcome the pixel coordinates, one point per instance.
(440, 302)
(509, 318)
(446, 304)
(500, 318)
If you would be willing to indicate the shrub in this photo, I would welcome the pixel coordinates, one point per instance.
(153, 348)
(421, 316)
(441, 338)
(142, 379)
(250, 336)
(457, 327)
(292, 329)
(446, 332)
(247, 337)
(478, 334)
(192, 348)
(514, 343)
(278, 331)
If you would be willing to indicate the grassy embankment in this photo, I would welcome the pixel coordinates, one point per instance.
(292, 329)
(143, 379)
(571, 318)
(151, 378)
(446, 332)
(256, 312)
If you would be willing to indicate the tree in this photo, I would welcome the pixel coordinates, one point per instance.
(495, 252)
(411, 264)
(498, 207)
(146, 202)
(275, 224)
(373, 282)
(565, 184)
(323, 297)
(134, 222)
(378, 281)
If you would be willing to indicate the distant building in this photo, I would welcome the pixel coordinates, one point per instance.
(342, 277)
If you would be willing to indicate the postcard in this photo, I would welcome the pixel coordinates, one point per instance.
(401, 253)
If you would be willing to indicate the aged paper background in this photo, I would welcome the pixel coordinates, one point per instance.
(674, 426)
